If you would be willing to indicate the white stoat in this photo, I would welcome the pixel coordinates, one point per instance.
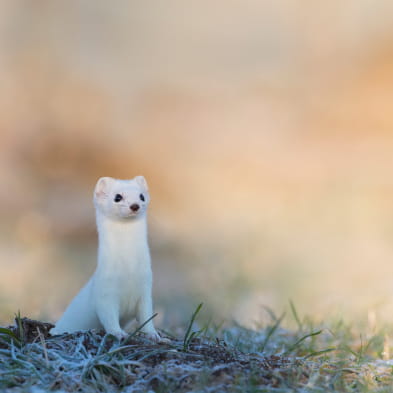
(120, 288)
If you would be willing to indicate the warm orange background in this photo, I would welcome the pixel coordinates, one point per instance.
(265, 131)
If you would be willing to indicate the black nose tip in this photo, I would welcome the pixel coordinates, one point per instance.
(134, 207)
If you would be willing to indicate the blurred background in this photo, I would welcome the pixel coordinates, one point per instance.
(264, 129)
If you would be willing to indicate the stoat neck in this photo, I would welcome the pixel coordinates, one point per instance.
(120, 239)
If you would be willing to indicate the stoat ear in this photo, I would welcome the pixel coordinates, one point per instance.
(102, 187)
(141, 181)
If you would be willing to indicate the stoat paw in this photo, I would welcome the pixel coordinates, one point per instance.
(154, 336)
(164, 340)
(119, 334)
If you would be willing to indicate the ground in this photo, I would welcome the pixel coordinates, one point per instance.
(225, 359)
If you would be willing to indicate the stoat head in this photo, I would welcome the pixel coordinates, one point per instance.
(121, 199)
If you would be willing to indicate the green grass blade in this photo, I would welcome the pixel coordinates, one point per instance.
(271, 332)
(8, 332)
(298, 342)
(271, 313)
(296, 315)
(187, 336)
(18, 320)
(139, 328)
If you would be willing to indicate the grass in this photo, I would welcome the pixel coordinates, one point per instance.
(309, 358)
(190, 335)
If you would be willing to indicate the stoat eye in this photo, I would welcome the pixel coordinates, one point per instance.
(142, 197)
(118, 198)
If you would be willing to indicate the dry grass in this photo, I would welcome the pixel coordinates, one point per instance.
(231, 359)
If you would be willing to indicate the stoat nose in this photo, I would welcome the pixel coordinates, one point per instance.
(134, 207)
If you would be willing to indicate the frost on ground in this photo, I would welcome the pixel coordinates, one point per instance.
(93, 361)
(241, 360)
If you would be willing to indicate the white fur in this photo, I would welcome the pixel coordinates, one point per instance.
(120, 288)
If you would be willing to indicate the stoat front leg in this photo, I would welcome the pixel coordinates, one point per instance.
(144, 312)
(108, 314)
